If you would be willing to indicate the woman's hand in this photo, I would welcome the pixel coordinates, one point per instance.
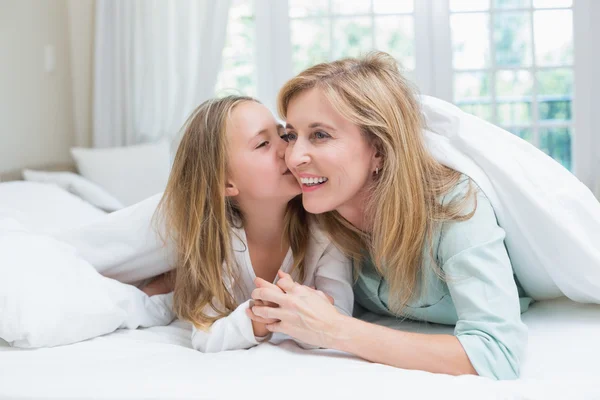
(303, 313)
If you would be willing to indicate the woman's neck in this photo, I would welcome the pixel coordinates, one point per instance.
(355, 212)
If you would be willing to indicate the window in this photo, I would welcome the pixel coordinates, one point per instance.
(238, 68)
(332, 29)
(525, 65)
(513, 66)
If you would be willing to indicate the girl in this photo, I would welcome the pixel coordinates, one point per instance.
(232, 210)
(424, 238)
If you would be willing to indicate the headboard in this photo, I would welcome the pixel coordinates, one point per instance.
(16, 175)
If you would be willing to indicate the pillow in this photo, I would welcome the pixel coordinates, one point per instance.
(77, 185)
(46, 208)
(131, 173)
(50, 296)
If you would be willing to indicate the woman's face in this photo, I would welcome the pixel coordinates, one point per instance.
(328, 155)
(257, 169)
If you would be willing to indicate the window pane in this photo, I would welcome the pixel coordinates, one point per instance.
(507, 4)
(483, 111)
(469, 5)
(304, 8)
(393, 6)
(555, 81)
(512, 39)
(236, 77)
(238, 73)
(310, 42)
(554, 108)
(523, 133)
(511, 84)
(470, 37)
(552, 3)
(349, 7)
(556, 142)
(471, 86)
(553, 31)
(514, 113)
(396, 36)
(352, 36)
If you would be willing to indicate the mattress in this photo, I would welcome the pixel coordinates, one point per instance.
(158, 363)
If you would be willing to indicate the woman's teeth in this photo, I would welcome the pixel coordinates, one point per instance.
(313, 181)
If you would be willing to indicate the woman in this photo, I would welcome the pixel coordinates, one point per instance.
(424, 239)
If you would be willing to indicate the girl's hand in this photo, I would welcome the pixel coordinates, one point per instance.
(259, 324)
(161, 284)
(303, 313)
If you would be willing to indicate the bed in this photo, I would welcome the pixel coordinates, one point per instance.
(158, 362)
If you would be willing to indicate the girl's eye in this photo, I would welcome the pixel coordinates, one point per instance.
(262, 144)
(321, 135)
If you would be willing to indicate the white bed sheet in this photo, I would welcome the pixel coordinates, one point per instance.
(158, 363)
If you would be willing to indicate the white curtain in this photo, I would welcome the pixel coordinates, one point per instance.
(155, 60)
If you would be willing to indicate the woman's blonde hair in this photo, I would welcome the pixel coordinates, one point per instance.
(198, 218)
(404, 202)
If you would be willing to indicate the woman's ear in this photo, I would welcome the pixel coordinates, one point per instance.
(231, 190)
(377, 160)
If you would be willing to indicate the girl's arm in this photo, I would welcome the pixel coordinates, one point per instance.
(233, 332)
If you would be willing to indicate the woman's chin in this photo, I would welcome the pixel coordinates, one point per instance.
(315, 207)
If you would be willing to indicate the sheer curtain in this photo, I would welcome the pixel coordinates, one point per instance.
(154, 62)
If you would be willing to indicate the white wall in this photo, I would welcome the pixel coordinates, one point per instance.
(81, 34)
(36, 113)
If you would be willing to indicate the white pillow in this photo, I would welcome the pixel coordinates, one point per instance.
(50, 296)
(43, 207)
(77, 185)
(131, 173)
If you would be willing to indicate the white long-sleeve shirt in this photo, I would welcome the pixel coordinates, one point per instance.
(326, 269)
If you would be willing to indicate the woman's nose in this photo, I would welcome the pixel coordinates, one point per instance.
(296, 154)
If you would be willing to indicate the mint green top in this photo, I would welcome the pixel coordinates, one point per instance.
(478, 294)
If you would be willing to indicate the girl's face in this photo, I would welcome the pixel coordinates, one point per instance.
(328, 155)
(257, 170)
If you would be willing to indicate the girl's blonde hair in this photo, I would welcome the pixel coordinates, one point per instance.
(404, 202)
(198, 218)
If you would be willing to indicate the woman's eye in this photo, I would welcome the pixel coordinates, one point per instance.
(321, 135)
(288, 137)
(262, 144)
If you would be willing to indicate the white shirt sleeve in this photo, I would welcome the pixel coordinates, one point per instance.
(233, 332)
(334, 277)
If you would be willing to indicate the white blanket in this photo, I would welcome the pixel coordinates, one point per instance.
(50, 294)
(551, 219)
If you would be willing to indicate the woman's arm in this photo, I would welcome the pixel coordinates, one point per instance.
(309, 317)
(433, 353)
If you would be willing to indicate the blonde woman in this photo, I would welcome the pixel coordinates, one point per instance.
(232, 210)
(424, 239)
